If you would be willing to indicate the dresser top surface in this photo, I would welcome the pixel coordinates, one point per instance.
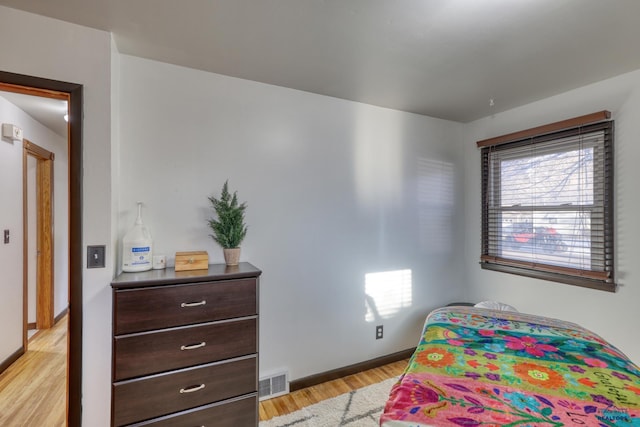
(170, 276)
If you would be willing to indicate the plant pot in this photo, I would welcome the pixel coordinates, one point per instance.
(231, 256)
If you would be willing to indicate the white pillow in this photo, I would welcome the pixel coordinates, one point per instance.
(495, 305)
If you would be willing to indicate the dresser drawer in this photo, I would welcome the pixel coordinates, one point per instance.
(146, 353)
(144, 309)
(163, 394)
(239, 412)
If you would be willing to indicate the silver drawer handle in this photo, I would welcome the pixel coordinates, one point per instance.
(193, 346)
(191, 389)
(193, 304)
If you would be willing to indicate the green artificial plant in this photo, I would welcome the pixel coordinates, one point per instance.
(229, 229)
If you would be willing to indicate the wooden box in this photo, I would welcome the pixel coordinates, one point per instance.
(194, 260)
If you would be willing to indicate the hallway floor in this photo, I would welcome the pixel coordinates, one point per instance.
(33, 389)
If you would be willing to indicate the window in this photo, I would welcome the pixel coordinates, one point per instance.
(547, 202)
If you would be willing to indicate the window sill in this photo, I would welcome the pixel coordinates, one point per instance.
(554, 277)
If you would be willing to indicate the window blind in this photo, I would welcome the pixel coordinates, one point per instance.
(547, 206)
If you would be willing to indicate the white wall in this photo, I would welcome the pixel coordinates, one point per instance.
(615, 316)
(43, 47)
(115, 151)
(335, 190)
(11, 218)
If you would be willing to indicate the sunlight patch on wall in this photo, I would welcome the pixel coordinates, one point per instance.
(436, 204)
(387, 293)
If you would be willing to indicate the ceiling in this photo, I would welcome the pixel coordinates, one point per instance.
(49, 112)
(440, 58)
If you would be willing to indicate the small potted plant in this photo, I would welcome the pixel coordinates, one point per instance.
(229, 229)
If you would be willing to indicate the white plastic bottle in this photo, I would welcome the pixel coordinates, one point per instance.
(137, 247)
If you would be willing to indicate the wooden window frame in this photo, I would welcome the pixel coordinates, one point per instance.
(490, 260)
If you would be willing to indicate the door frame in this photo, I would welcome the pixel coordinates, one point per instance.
(42, 87)
(44, 235)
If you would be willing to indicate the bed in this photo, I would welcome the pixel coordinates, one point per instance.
(475, 367)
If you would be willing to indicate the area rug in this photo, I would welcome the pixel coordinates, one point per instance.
(358, 408)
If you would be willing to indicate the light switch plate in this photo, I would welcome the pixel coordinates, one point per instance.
(95, 256)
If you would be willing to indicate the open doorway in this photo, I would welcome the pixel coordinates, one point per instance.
(44, 87)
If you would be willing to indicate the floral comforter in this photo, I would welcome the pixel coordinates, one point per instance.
(495, 368)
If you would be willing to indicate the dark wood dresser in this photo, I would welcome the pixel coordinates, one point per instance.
(185, 347)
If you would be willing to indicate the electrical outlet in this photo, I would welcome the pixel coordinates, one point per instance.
(379, 332)
(95, 256)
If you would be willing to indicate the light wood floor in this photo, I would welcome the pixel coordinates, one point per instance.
(33, 390)
(308, 396)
